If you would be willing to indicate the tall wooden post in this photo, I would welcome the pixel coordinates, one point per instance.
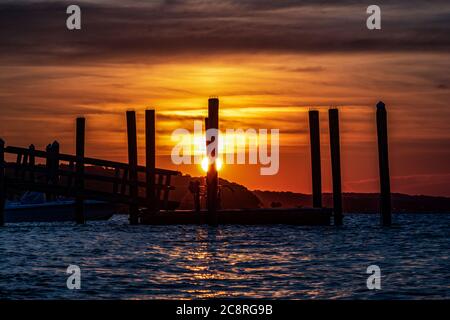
(79, 169)
(333, 117)
(132, 162)
(2, 183)
(150, 159)
(206, 178)
(212, 178)
(383, 160)
(316, 173)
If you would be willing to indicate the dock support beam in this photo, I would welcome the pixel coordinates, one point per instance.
(2, 183)
(212, 179)
(333, 118)
(79, 176)
(314, 133)
(150, 160)
(383, 160)
(133, 162)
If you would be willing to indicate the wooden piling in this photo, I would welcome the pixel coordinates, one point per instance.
(333, 118)
(133, 163)
(383, 160)
(314, 131)
(150, 159)
(79, 169)
(212, 179)
(2, 183)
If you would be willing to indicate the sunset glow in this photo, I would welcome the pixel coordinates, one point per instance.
(268, 82)
(205, 164)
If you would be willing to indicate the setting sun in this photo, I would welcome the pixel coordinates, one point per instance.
(205, 164)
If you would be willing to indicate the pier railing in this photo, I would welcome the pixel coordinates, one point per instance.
(81, 178)
(58, 176)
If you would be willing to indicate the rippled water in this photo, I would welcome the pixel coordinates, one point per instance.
(147, 262)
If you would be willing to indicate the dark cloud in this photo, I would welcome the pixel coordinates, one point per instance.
(142, 31)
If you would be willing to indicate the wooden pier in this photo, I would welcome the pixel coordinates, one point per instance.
(145, 189)
(59, 174)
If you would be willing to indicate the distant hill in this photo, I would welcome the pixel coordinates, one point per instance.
(358, 202)
(236, 196)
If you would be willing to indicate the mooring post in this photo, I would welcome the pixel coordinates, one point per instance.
(212, 176)
(2, 183)
(150, 159)
(79, 170)
(316, 174)
(383, 161)
(132, 162)
(333, 117)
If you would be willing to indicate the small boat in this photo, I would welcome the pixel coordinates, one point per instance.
(33, 207)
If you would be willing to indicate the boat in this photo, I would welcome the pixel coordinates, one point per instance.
(33, 207)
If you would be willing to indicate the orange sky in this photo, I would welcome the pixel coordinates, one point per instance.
(268, 65)
(257, 91)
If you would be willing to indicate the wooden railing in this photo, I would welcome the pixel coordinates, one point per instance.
(80, 177)
(58, 176)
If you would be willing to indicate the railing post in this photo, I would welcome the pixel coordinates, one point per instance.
(333, 118)
(194, 188)
(167, 191)
(116, 181)
(383, 161)
(24, 165)
(158, 191)
(150, 159)
(55, 162)
(79, 170)
(48, 165)
(132, 162)
(2, 182)
(52, 166)
(31, 162)
(315, 158)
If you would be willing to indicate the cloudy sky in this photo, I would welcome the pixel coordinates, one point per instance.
(268, 61)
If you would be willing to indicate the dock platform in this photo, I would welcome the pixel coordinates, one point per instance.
(291, 216)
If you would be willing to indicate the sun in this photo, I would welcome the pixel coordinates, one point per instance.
(205, 164)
